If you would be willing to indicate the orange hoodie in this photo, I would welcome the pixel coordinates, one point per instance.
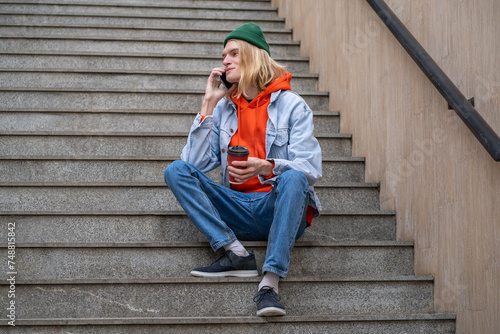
(251, 133)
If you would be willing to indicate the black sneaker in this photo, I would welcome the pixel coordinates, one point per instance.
(268, 303)
(229, 264)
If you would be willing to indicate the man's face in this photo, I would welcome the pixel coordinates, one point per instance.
(231, 62)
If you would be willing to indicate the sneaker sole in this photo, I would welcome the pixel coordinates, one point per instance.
(270, 312)
(233, 273)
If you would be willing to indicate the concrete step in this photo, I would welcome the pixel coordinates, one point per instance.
(41, 228)
(22, 43)
(137, 145)
(20, 172)
(324, 122)
(127, 61)
(137, 20)
(92, 146)
(132, 32)
(154, 80)
(241, 4)
(193, 297)
(159, 123)
(154, 198)
(136, 171)
(143, 261)
(329, 324)
(139, 99)
(105, 9)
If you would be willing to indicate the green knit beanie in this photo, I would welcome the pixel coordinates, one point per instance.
(251, 33)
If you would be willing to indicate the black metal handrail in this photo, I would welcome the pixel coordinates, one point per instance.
(464, 109)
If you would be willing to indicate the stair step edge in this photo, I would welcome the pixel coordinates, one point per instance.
(215, 280)
(135, 158)
(132, 134)
(149, 16)
(128, 72)
(132, 244)
(136, 5)
(138, 55)
(149, 185)
(127, 91)
(135, 39)
(167, 213)
(136, 27)
(235, 320)
(133, 111)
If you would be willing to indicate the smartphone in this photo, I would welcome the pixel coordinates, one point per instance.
(226, 83)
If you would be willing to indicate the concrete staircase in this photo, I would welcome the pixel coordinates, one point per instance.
(96, 99)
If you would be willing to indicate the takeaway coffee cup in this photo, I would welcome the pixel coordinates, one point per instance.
(236, 153)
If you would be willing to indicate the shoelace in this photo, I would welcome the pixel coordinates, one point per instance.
(261, 294)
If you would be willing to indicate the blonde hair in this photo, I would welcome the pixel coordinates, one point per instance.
(258, 69)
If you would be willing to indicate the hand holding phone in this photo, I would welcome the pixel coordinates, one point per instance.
(226, 83)
(214, 90)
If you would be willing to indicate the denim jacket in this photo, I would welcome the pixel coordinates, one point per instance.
(289, 140)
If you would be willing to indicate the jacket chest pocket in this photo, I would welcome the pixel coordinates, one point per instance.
(281, 137)
(280, 144)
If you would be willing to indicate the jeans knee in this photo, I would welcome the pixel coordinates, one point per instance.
(173, 171)
(294, 179)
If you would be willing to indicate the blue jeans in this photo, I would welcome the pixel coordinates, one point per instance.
(224, 215)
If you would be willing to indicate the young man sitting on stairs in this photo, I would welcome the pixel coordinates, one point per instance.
(270, 196)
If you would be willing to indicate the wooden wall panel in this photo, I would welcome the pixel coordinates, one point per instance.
(443, 184)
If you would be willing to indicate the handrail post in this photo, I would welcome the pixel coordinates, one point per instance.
(469, 115)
